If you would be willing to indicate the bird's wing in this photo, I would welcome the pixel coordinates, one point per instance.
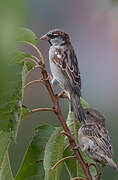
(100, 136)
(66, 59)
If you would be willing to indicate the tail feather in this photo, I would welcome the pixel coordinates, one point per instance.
(77, 108)
(111, 163)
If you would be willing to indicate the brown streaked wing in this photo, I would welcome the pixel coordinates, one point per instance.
(102, 140)
(66, 59)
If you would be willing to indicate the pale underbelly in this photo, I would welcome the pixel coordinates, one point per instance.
(58, 75)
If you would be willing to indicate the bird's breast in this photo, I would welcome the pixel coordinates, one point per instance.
(56, 71)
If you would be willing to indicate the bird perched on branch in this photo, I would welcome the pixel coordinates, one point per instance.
(64, 68)
(94, 139)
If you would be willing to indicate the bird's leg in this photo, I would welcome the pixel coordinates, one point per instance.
(63, 94)
(77, 146)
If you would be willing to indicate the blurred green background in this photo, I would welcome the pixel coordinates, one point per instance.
(93, 27)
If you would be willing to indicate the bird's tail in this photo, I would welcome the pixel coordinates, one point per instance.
(77, 108)
(111, 163)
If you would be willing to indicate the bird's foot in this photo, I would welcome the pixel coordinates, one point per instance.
(63, 94)
(77, 147)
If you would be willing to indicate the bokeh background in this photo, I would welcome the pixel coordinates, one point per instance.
(93, 27)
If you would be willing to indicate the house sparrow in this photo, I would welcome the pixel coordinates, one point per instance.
(94, 139)
(64, 68)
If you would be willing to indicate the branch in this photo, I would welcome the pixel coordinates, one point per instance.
(61, 160)
(57, 109)
(38, 51)
(42, 109)
(64, 125)
(78, 178)
(33, 82)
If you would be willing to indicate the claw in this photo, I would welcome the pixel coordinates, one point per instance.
(63, 94)
(76, 147)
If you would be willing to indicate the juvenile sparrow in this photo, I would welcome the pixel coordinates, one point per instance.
(94, 139)
(64, 68)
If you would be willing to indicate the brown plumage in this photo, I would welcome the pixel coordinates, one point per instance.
(94, 138)
(65, 69)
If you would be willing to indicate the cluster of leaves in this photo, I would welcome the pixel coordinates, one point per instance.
(48, 144)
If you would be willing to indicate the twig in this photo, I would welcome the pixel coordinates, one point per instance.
(38, 51)
(59, 114)
(61, 160)
(92, 164)
(33, 82)
(36, 59)
(38, 66)
(65, 133)
(31, 59)
(42, 109)
(78, 178)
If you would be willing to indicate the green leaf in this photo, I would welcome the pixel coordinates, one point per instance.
(29, 65)
(84, 103)
(74, 167)
(53, 153)
(18, 110)
(72, 124)
(19, 56)
(26, 35)
(32, 166)
(12, 77)
(74, 127)
(4, 143)
(25, 111)
(11, 83)
(70, 121)
(71, 164)
(5, 169)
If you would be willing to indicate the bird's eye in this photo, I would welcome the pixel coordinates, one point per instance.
(52, 36)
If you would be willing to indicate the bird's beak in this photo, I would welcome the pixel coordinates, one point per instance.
(44, 37)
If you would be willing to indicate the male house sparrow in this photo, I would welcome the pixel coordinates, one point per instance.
(94, 139)
(64, 68)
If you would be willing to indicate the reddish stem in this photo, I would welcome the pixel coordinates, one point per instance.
(61, 160)
(42, 109)
(64, 125)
